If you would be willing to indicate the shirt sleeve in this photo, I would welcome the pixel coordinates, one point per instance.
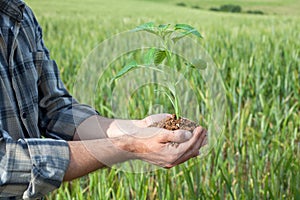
(60, 114)
(27, 168)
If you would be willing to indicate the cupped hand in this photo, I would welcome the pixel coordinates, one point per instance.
(167, 148)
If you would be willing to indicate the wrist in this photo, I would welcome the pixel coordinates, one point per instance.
(126, 145)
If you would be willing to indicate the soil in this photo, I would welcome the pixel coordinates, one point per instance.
(171, 123)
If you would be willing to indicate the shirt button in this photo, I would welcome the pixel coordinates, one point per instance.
(24, 115)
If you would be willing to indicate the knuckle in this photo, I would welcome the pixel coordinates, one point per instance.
(200, 130)
(204, 131)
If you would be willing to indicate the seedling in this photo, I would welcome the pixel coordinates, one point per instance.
(157, 56)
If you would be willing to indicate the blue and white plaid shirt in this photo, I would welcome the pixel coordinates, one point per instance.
(33, 103)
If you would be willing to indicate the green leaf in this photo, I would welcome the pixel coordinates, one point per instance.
(159, 56)
(169, 94)
(198, 63)
(187, 29)
(164, 27)
(171, 88)
(149, 27)
(126, 69)
(149, 56)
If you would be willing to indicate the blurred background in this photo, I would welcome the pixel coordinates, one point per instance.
(255, 46)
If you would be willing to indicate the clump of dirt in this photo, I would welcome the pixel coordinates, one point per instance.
(172, 123)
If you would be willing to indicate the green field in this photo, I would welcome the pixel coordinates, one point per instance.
(259, 60)
(290, 7)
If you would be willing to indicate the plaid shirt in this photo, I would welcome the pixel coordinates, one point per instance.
(33, 103)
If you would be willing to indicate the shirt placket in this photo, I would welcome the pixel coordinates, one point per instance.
(11, 62)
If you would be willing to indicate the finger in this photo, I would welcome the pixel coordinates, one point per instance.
(205, 141)
(203, 136)
(195, 140)
(200, 139)
(183, 158)
(192, 146)
(178, 136)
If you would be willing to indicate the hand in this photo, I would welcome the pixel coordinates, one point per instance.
(154, 145)
(167, 148)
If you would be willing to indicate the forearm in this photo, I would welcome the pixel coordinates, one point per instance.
(98, 127)
(90, 155)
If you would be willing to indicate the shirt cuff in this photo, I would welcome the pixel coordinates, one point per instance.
(50, 160)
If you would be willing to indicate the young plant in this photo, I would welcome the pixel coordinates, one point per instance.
(169, 35)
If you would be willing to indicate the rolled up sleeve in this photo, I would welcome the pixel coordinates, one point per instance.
(30, 168)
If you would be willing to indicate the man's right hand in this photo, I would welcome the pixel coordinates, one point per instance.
(165, 148)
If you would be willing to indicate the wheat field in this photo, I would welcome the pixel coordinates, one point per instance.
(258, 57)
